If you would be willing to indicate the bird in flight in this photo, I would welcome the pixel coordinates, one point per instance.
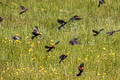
(35, 32)
(23, 9)
(101, 2)
(63, 23)
(112, 32)
(62, 57)
(80, 68)
(75, 18)
(96, 32)
(52, 46)
(74, 41)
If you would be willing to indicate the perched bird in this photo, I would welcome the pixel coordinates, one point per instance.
(51, 46)
(16, 37)
(62, 22)
(35, 32)
(75, 18)
(62, 57)
(74, 41)
(112, 32)
(23, 9)
(80, 68)
(1, 19)
(97, 32)
(101, 2)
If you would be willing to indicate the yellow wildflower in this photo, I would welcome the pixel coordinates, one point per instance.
(61, 10)
(42, 9)
(45, 71)
(113, 54)
(17, 34)
(30, 50)
(17, 73)
(6, 38)
(98, 74)
(104, 48)
(86, 59)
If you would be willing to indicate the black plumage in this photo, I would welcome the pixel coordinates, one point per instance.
(80, 68)
(62, 22)
(35, 32)
(23, 9)
(112, 32)
(1, 19)
(97, 32)
(101, 2)
(62, 57)
(51, 46)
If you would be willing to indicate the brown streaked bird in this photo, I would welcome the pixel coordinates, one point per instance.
(80, 68)
(97, 32)
(101, 2)
(51, 46)
(23, 9)
(62, 22)
(62, 57)
(35, 32)
(1, 19)
(112, 32)
(74, 42)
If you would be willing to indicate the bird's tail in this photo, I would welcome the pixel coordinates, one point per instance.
(79, 74)
(33, 37)
(60, 61)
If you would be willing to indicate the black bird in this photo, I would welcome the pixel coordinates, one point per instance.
(62, 57)
(112, 32)
(75, 18)
(74, 41)
(16, 37)
(101, 2)
(23, 9)
(1, 19)
(97, 32)
(51, 46)
(35, 32)
(62, 22)
(80, 68)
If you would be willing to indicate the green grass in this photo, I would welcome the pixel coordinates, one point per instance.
(101, 54)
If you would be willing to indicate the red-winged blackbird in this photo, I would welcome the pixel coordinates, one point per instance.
(62, 57)
(75, 18)
(23, 9)
(80, 68)
(112, 32)
(16, 37)
(101, 2)
(62, 22)
(97, 32)
(51, 46)
(1, 19)
(35, 32)
(74, 41)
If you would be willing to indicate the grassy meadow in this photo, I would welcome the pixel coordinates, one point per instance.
(27, 59)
